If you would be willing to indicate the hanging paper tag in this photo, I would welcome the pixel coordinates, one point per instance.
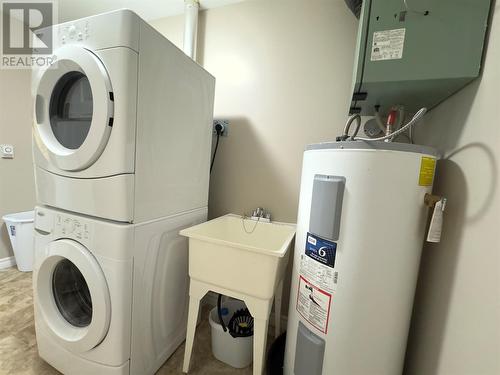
(436, 225)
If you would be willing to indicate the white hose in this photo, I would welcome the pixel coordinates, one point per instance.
(418, 116)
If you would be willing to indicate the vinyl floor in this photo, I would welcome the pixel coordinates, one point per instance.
(18, 350)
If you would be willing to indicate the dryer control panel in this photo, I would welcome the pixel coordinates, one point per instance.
(74, 32)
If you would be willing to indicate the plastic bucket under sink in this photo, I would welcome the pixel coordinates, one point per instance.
(237, 352)
(20, 228)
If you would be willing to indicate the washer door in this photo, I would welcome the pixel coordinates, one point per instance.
(74, 108)
(73, 296)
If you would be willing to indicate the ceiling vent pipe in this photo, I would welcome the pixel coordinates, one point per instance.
(191, 8)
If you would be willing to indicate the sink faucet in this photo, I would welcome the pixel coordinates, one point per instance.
(261, 214)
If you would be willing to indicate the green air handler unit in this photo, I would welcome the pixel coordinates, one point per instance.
(416, 53)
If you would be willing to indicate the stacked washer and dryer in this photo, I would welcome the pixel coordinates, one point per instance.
(121, 146)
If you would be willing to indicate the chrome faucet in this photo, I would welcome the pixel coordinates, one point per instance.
(261, 214)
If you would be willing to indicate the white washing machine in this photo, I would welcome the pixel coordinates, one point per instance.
(122, 122)
(110, 298)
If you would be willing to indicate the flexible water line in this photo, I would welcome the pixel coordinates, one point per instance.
(417, 117)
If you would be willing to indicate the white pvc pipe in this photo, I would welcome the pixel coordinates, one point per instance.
(191, 27)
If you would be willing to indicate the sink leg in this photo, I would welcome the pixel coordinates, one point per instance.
(259, 345)
(194, 305)
(277, 309)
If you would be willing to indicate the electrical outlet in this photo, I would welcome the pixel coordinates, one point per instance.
(7, 151)
(225, 127)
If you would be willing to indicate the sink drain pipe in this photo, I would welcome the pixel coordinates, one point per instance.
(219, 312)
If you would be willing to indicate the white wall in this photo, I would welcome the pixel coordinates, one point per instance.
(456, 324)
(16, 175)
(283, 72)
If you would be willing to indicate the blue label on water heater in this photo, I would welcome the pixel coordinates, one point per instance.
(321, 250)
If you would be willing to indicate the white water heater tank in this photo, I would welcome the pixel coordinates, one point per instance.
(360, 230)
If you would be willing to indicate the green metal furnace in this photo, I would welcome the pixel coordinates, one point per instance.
(416, 53)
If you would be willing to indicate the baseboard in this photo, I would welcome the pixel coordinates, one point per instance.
(7, 262)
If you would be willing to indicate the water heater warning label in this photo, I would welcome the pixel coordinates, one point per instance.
(313, 304)
(388, 44)
(426, 175)
(318, 262)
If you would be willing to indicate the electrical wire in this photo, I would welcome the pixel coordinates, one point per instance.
(356, 117)
(215, 152)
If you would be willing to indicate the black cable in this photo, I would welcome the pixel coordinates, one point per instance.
(215, 152)
(219, 313)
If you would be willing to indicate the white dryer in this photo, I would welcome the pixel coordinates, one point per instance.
(122, 122)
(109, 298)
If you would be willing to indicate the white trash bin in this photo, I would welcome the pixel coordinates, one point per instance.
(20, 228)
(235, 351)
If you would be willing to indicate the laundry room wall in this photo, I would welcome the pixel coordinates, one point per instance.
(456, 327)
(283, 71)
(17, 191)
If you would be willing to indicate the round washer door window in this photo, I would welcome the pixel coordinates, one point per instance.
(70, 109)
(72, 295)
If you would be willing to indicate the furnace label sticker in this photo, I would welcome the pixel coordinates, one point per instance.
(388, 44)
(321, 250)
(313, 304)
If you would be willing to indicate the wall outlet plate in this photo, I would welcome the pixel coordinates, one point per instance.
(7, 151)
(224, 123)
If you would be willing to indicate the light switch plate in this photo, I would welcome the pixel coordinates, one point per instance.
(7, 151)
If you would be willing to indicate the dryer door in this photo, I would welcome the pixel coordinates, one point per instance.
(73, 109)
(73, 296)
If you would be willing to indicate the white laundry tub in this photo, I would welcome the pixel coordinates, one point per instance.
(251, 263)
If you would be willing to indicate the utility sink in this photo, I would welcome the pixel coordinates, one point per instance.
(240, 258)
(238, 254)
